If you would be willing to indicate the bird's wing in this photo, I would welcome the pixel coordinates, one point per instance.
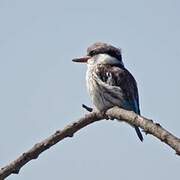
(121, 77)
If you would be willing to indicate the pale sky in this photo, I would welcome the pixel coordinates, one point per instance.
(42, 90)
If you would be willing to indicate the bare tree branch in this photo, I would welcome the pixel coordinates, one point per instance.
(128, 116)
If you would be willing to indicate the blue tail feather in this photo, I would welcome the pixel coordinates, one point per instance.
(139, 133)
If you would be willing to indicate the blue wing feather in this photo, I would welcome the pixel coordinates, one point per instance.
(121, 77)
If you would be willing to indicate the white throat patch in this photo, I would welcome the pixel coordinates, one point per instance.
(104, 59)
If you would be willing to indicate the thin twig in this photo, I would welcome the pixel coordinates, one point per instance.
(87, 108)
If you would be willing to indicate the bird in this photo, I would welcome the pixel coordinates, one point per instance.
(108, 81)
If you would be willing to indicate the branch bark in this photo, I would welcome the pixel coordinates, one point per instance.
(130, 117)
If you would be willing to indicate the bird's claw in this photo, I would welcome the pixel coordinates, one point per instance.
(107, 117)
(103, 113)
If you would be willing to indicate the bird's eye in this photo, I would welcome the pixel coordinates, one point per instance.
(92, 53)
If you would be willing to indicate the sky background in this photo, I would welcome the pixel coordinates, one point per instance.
(41, 90)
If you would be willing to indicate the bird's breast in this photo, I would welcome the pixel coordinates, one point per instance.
(103, 95)
(94, 89)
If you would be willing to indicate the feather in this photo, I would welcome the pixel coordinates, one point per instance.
(115, 86)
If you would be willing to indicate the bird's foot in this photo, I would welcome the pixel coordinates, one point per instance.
(107, 117)
(111, 118)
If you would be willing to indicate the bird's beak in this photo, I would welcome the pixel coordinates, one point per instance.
(82, 59)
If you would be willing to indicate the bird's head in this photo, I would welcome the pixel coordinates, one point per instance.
(101, 53)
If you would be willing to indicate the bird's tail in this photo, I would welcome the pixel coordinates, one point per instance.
(139, 133)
